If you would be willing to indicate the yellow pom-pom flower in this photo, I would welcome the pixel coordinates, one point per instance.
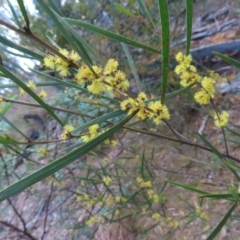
(74, 57)
(221, 119)
(158, 112)
(31, 84)
(111, 66)
(202, 97)
(42, 94)
(68, 128)
(49, 61)
(107, 181)
(97, 86)
(208, 85)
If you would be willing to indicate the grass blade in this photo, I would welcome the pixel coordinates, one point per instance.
(189, 16)
(163, 11)
(110, 34)
(222, 223)
(59, 163)
(31, 93)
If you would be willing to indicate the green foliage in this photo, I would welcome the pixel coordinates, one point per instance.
(102, 154)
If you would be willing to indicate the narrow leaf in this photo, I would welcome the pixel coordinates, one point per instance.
(222, 223)
(15, 16)
(163, 11)
(59, 163)
(229, 165)
(81, 44)
(59, 25)
(109, 34)
(84, 55)
(233, 192)
(232, 131)
(12, 125)
(24, 12)
(132, 66)
(99, 120)
(218, 196)
(5, 140)
(20, 48)
(124, 10)
(228, 59)
(189, 16)
(187, 187)
(55, 8)
(145, 11)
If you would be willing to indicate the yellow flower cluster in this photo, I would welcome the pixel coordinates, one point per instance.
(207, 91)
(157, 217)
(32, 85)
(94, 219)
(220, 119)
(120, 199)
(107, 181)
(113, 143)
(153, 196)
(154, 110)
(187, 72)
(144, 184)
(172, 223)
(66, 133)
(93, 133)
(60, 65)
(189, 77)
(201, 213)
(101, 80)
(42, 94)
(43, 151)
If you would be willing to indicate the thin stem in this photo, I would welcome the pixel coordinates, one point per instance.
(28, 33)
(39, 106)
(5, 168)
(18, 230)
(176, 133)
(182, 141)
(46, 215)
(225, 140)
(18, 214)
